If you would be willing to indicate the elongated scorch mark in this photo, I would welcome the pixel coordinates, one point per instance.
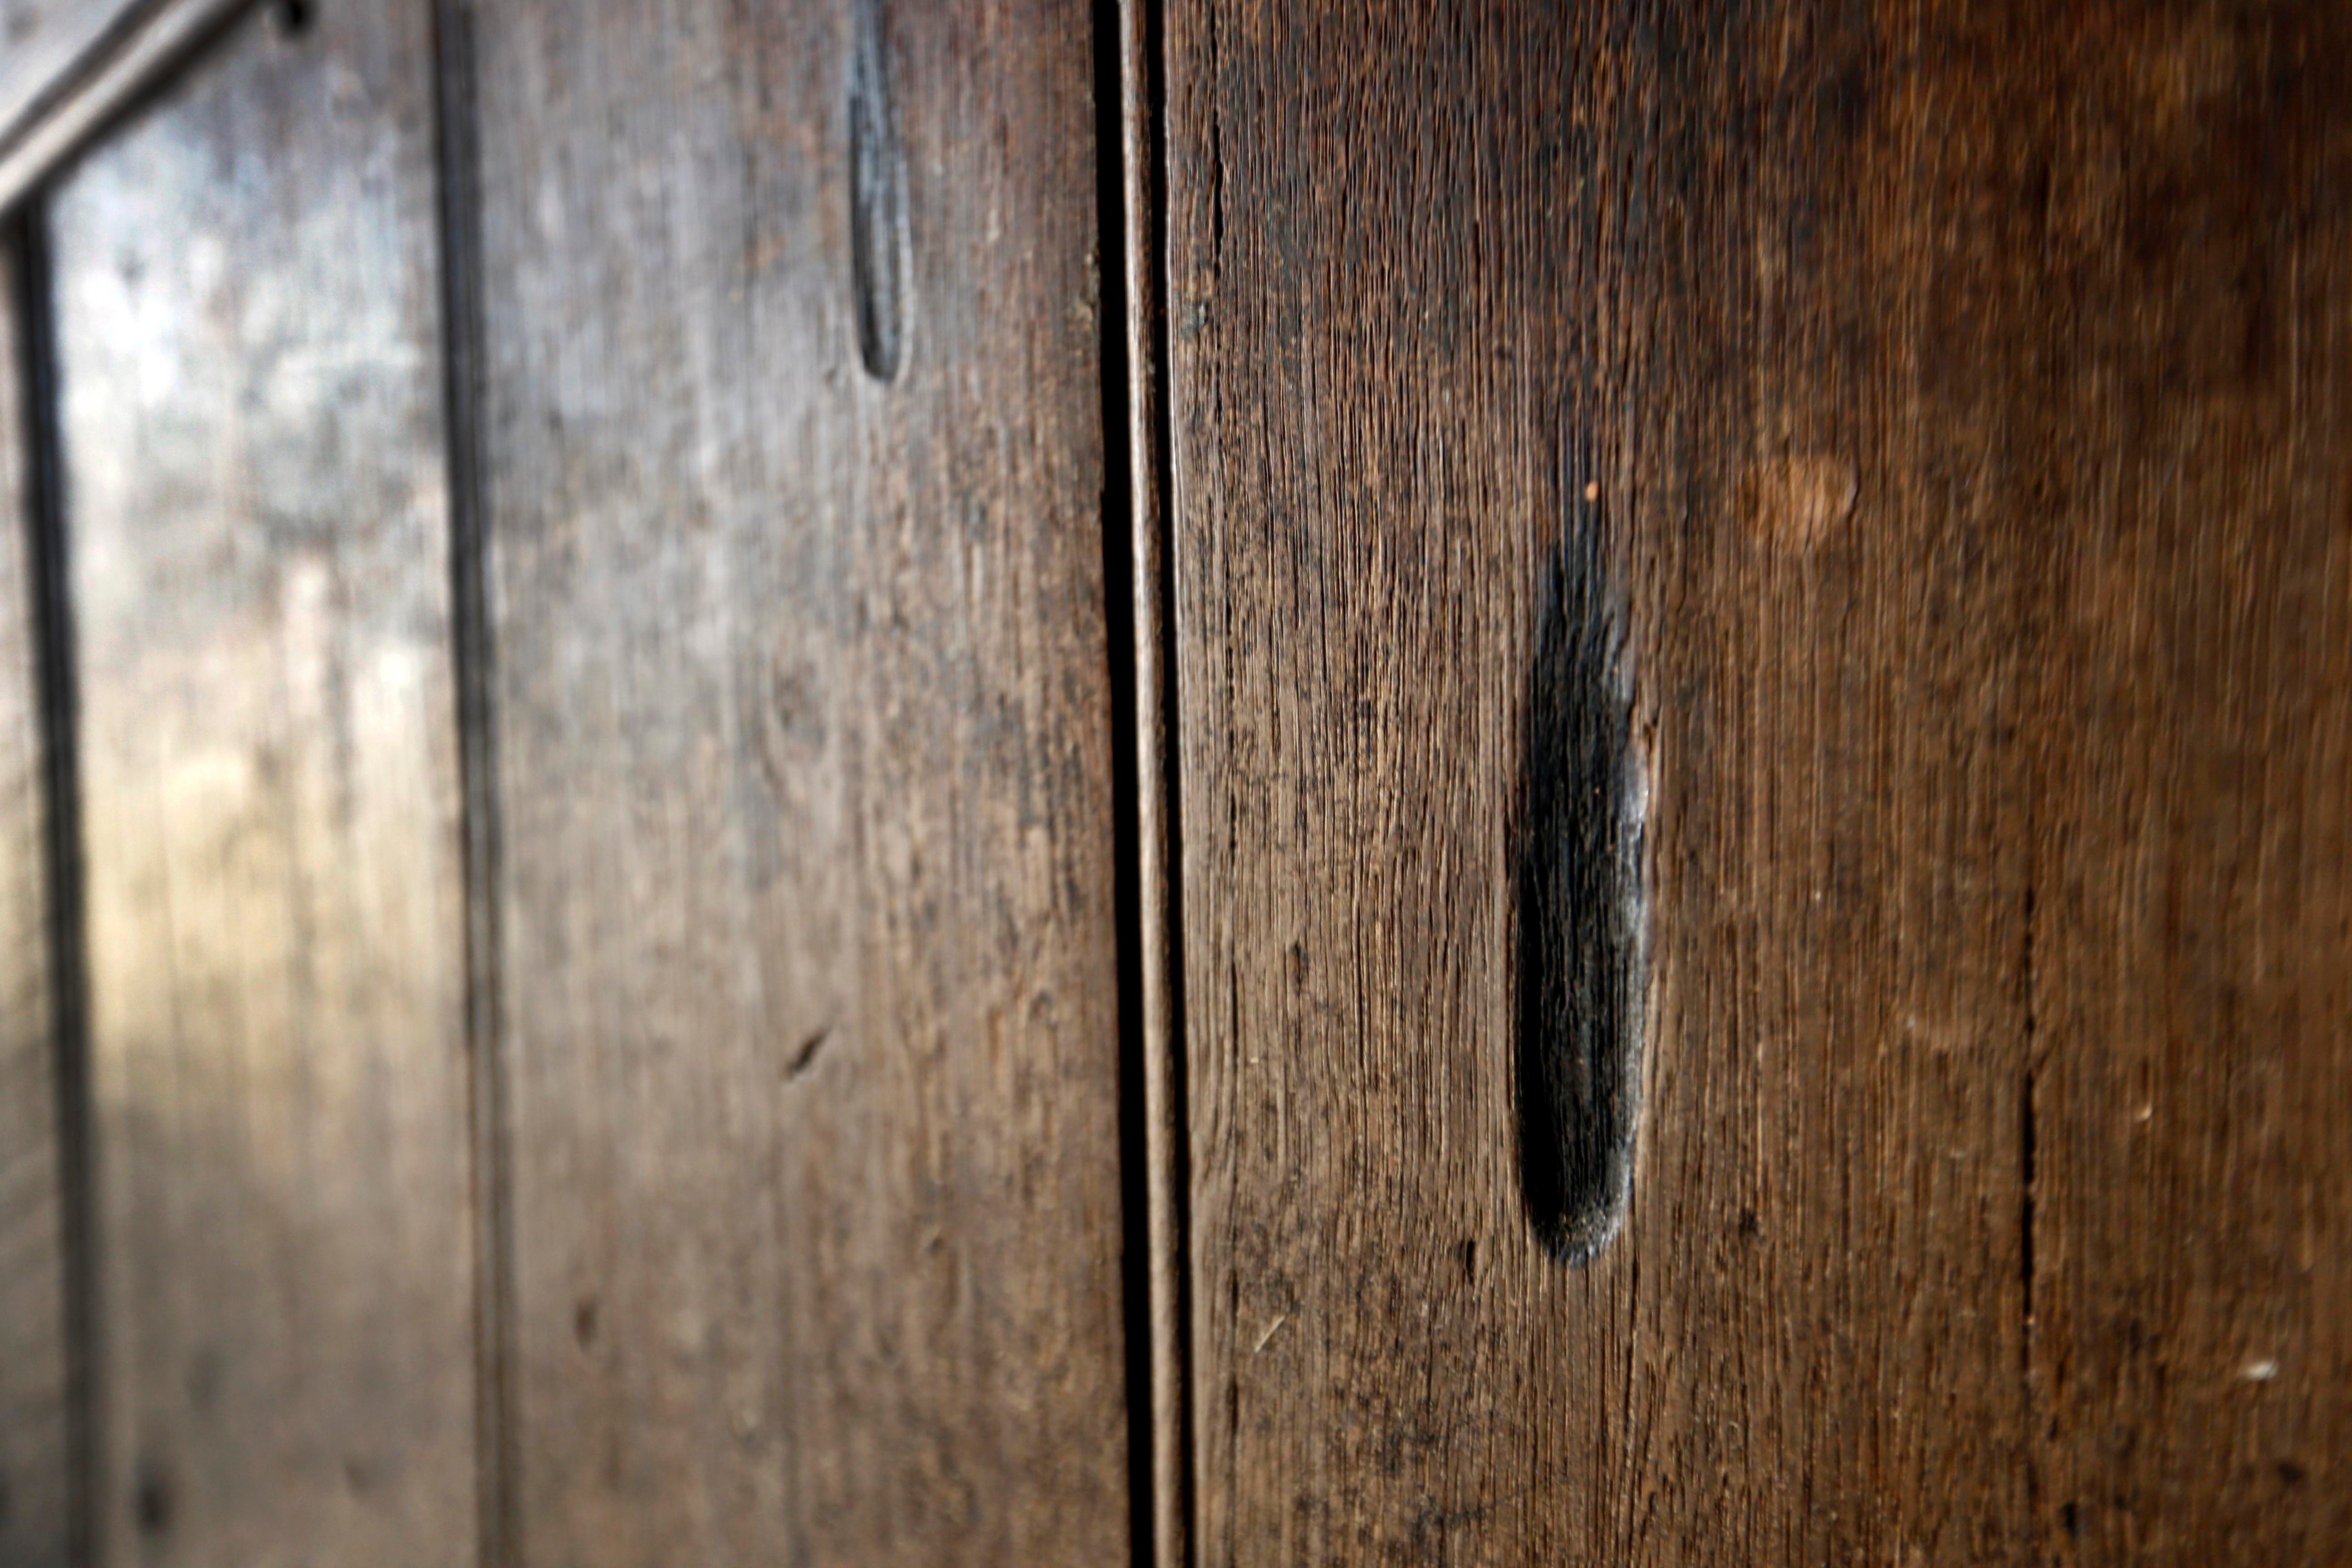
(1582, 903)
(877, 202)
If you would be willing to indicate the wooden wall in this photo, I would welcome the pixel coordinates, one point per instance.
(1198, 782)
(584, 586)
(1954, 397)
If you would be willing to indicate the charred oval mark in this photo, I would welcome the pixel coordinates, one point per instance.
(877, 202)
(155, 1498)
(1582, 904)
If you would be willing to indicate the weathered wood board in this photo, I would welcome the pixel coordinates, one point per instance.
(1956, 397)
(792, 476)
(255, 503)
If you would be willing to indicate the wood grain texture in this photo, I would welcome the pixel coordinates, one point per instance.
(34, 1487)
(1957, 391)
(810, 996)
(2192, 967)
(257, 503)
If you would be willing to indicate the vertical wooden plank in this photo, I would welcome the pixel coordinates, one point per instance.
(33, 1494)
(1950, 405)
(2192, 958)
(247, 347)
(793, 479)
(1466, 310)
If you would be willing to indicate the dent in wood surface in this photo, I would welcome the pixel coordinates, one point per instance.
(256, 498)
(877, 199)
(1582, 905)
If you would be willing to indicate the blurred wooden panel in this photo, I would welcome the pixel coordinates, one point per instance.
(1957, 395)
(41, 42)
(67, 67)
(793, 474)
(33, 1428)
(247, 306)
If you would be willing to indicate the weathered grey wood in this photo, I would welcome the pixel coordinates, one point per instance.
(67, 67)
(256, 507)
(801, 731)
(42, 42)
(34, 1489)
(1957, 394)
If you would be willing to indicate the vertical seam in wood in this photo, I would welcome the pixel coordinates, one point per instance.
(457, 157)
(2028, 1185)
(69, 988)
(1130, 157)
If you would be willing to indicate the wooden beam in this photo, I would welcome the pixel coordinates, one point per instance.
(71, 67)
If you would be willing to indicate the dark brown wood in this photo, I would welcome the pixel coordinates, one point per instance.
(33, 1487)
(247, 308)
(809, 1004)
(1956, 396)
(2191, 970)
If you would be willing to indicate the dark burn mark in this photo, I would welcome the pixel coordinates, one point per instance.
(1583, 912)
(154, 1500)
(877, 202)
(2026, 1140)
(805, 1056)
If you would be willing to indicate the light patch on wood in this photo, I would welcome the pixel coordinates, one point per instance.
(1799, 501)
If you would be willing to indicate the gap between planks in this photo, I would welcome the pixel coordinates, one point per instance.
(456, 157)
(1131, 150)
